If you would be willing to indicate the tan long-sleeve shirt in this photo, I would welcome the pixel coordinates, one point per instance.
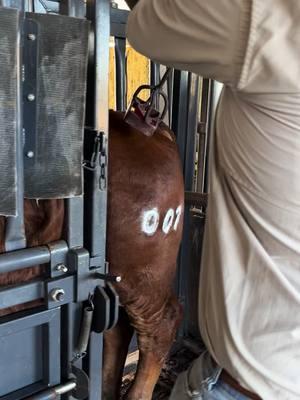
(250, 279)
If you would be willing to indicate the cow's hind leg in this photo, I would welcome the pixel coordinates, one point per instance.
(155, 334)
(116, 342)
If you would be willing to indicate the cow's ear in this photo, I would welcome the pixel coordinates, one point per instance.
(131, 3)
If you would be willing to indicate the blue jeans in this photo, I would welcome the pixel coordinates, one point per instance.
(201, 382)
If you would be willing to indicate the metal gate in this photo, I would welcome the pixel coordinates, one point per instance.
(53, 98)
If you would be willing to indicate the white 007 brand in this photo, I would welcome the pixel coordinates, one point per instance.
(150, 220)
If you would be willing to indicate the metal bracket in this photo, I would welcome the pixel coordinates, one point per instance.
(88, 282)
(58, 261)
(95, 262)
(60, 291)
(79, 261)
(118, 22)
(29, 78)
(103, 166)
(92, 163)
(98, 158)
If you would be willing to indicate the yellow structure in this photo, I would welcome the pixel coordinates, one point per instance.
(138, 73)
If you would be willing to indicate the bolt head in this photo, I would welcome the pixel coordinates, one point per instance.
(30, 154)
(60, 296)
(30, 97)
(57, 294)
(31, 36)
(62, 268)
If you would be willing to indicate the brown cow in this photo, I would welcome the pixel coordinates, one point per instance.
(145, 217)
(146, 190)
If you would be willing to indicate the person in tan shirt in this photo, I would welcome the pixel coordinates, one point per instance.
(249, 294)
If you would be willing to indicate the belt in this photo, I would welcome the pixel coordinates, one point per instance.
(226, 378)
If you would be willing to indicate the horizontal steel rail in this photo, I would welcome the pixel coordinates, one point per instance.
(55, 252)
(16, 260)
(55, 392)
(10, 297)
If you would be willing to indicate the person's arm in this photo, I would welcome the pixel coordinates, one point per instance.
(252, 45)
(208, 37)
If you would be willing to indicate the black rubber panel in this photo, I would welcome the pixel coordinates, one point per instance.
(9, 70)
(56, 170)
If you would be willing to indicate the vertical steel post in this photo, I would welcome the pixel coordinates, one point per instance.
(98, 12)
(179, 120)
(192, 125)
(74, 206)
(203, 131)
(154, 73)
(117, 30)
(74, 234)
(216, 91)
(170, 87)
(154, 79)
(192, 244)
(73, 8)
(120, 52)
(15, 231)
(184, 124)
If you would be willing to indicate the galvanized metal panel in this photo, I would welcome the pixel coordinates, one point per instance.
(17, 349)
(55, 171)
(30, 351)
(9, 67)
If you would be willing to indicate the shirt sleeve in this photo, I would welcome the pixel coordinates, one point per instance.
(251, 45)
(207, 37)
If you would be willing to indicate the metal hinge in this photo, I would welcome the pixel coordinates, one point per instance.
(103, 169)
(92, 163)
(98, 159)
